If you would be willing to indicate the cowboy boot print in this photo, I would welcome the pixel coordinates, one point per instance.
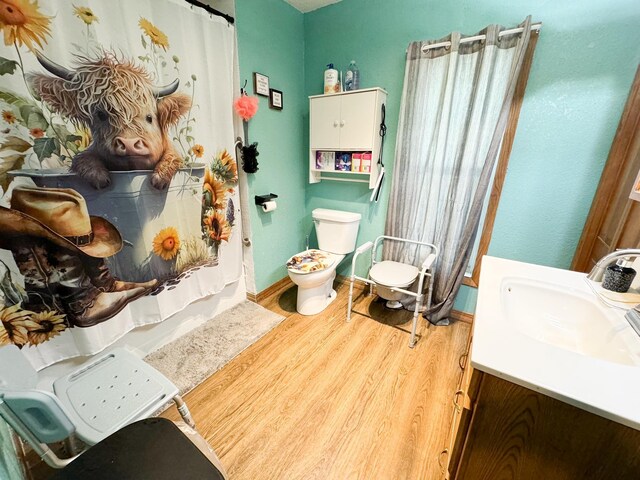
(55, 275)
(101, 277)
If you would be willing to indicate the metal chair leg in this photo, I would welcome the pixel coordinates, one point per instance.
(414, 326)
(350, 300)
(430, 294)
(184, 411)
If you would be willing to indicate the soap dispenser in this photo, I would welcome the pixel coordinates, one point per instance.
(618, 277)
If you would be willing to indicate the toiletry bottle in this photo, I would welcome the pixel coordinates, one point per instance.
(356, 162)
(365, 165)
(352, 77)
(331, 84)
(618, 277)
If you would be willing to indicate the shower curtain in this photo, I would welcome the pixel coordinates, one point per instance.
(118, 182)
(454, 110)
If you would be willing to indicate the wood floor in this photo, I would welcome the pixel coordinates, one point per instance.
(317, 398)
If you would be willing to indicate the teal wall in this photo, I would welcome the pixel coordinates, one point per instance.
(583, 68)
(271, 41)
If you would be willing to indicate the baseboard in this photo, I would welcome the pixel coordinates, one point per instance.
(460, 316)
(281, 284)
(343, 279)
(252, 297)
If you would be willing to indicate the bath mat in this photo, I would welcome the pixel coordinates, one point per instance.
(190, 359)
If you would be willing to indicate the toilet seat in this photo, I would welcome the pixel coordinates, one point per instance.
(310, 261)
(393, 274)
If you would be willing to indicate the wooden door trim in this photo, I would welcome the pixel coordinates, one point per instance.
(503, 161)
(626, 135)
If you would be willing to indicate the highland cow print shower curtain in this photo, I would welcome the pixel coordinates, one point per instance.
(118, 180)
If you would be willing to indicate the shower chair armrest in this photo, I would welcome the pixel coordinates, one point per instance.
(359, 251)
(428, 262)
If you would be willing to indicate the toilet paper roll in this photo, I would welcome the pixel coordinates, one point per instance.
(269, 206)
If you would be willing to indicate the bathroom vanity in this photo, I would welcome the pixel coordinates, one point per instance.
(549, 386)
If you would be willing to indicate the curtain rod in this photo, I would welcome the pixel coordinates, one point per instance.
(211, 10)
(535, 27)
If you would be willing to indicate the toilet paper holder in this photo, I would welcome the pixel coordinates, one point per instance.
(262, 199)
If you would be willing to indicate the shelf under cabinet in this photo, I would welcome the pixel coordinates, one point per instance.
(361, 177)
(343, 172)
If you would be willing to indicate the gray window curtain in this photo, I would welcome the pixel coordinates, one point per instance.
(454, 111)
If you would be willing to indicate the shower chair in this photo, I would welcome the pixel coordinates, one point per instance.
(97, 399)
(389, 285)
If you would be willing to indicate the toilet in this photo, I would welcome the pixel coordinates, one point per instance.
(313, 271)
(389, 275)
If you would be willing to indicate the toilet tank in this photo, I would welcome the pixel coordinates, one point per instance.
(336, 230)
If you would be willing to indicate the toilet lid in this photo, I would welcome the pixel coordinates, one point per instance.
(310, 261)
(393, 274)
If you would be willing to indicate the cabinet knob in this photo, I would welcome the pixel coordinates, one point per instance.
(462, 361)
(342, 123)
(335, 123)
(443, 460)
(466, 401)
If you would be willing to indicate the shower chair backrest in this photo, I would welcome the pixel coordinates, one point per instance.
(22, 405)
(430, 259)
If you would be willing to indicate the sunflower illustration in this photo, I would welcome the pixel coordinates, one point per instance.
(213, 188)
(225, 167)
(4, 335)
(197, 150)
(45, 325)
(85, 138)
(156, 35)
(230, 165)
(8, 116)
(85, 14)
(166, 243)
(23, 24)
(15, 321)
(36, 132)
(216, 226)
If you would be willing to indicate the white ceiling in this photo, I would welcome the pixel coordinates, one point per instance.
(308, 5)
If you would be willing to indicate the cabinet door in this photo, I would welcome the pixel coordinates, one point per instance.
(517, 433)
(357, 121)
(324, 123)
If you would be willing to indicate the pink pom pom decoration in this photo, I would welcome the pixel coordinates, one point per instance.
(246, 107)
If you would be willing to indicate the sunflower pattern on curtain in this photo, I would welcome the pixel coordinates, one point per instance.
(455, 106)
(119, 202)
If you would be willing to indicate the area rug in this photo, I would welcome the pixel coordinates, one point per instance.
(192, 358)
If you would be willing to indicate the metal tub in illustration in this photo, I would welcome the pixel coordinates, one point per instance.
(139, 212)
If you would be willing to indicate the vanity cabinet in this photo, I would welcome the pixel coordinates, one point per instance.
(501, 430)
(346, 122)
(462, 401)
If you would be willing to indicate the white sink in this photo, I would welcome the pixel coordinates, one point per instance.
(547, 330)
(566, 318)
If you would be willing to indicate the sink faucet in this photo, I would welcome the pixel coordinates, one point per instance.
(597, 272)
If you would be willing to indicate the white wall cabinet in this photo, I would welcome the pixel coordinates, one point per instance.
(346, 122)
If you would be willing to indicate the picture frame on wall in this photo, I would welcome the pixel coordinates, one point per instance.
(260, 84)
(275, 99)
